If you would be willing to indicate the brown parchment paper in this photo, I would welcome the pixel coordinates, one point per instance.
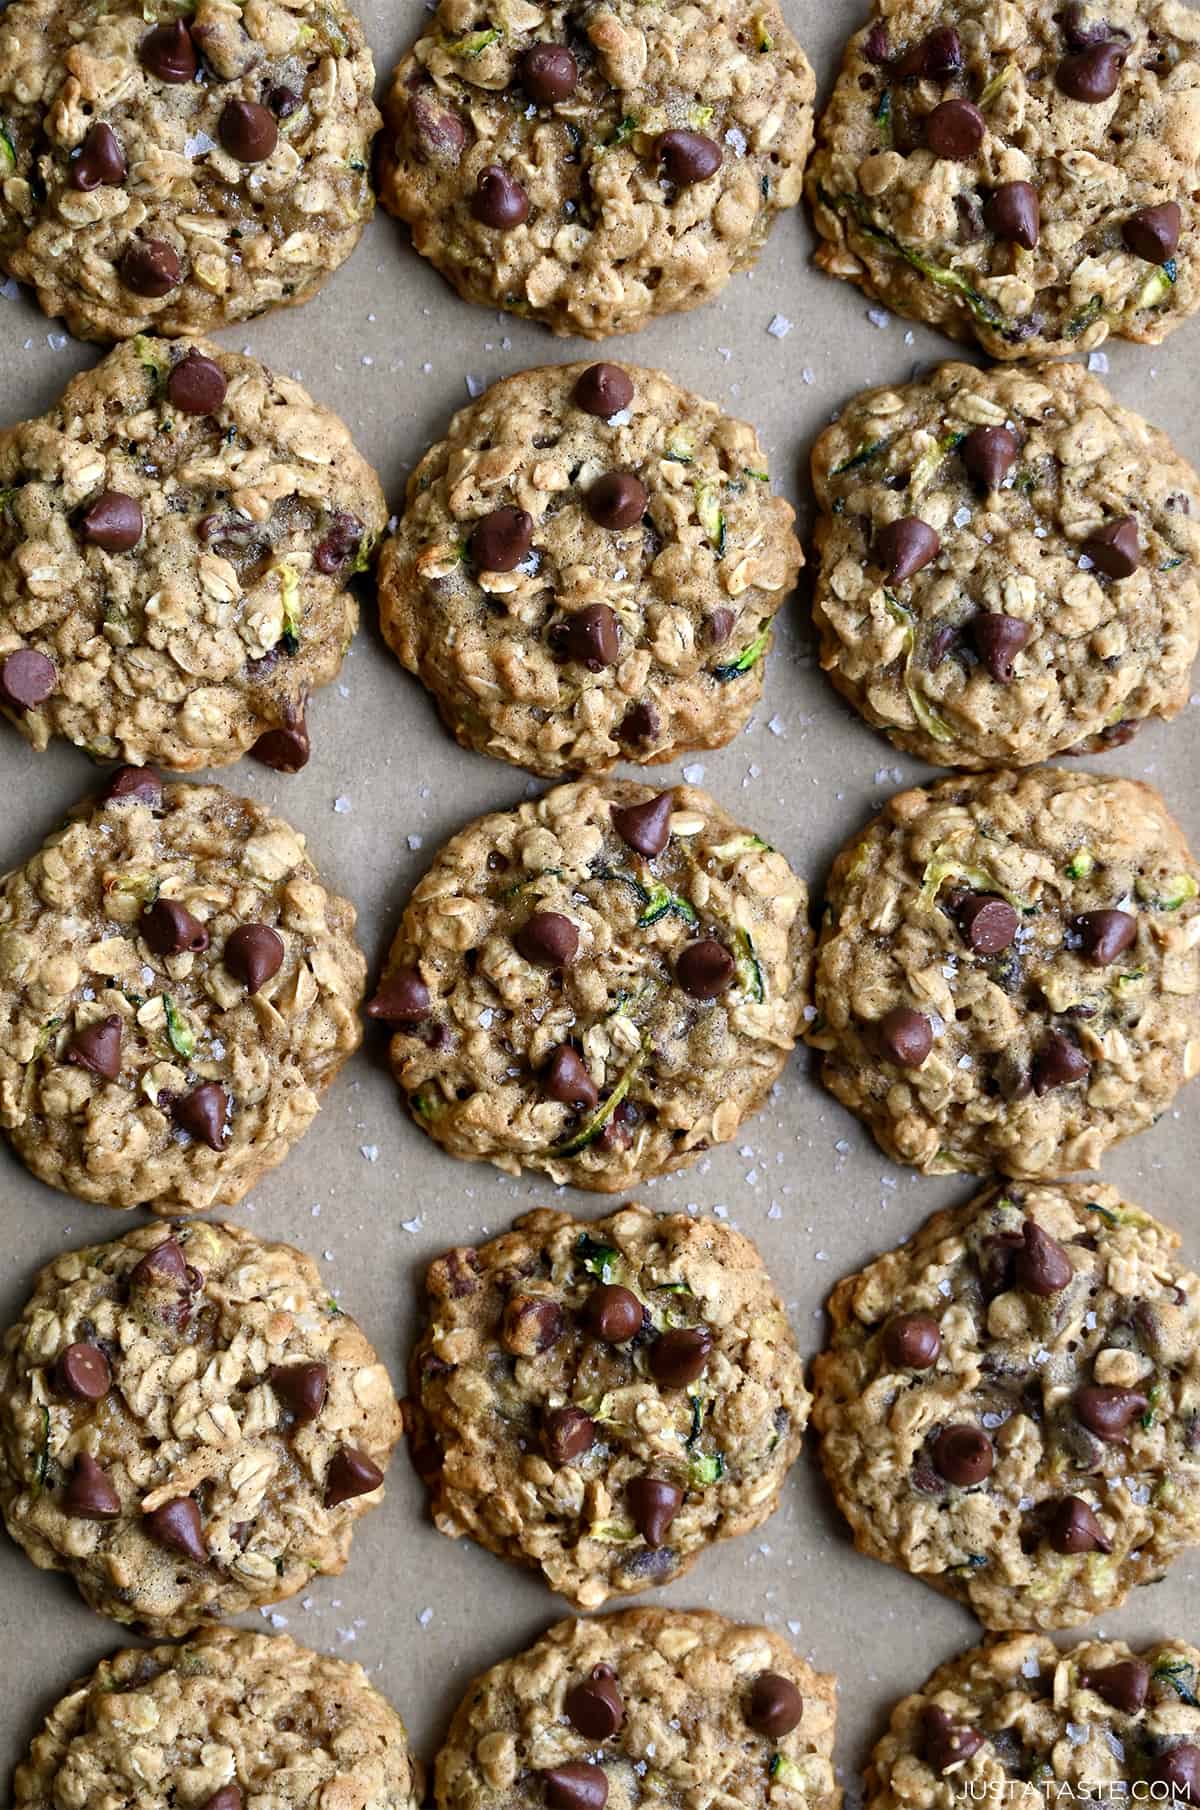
(391, 348)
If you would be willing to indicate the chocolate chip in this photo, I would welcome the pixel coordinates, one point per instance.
(876, 46)
(566, 1432)
(678, 1357)
(203, 1114)
(989, 454)
(594, 1705)
(912, 1342)
(351, 1473)
(955, 130)
(1058, 1063)
(164, 1265)
(253, 954)
(617, 500)
(113, 523)
(27, 679)
(169, 928)
(653, 1505)
(82, 1371)
(1079, 30)
(177, 1526)
(1179, 1768)
(301, 1387)
(906, 1036)
(197, 385)
(645, 827)
(1109, 1412)
(998, 640)
(688, 157)
(1124, 1685)
(612, 1313)
(341, 543)
(97, 1047)
(138, 785)
(963, 1455)
(1153, 232)
(499, 200)
(941, 55)
(500, 541)
(775, 1707)
(1093, 74)
(283, 101)
(566, 1080)
(548, 73)
(603, 390)
(89, 1496)
(577, 1786)
(227, 1798)
(151, 267)
(987, 924)
(590, 636)
(704, 969)
(640, 724)
(284, 749)
(548, 940)
(1071, 1526)
(403, 998)
(1104, 935)
(436, 132)
(1115, 549)
(168, 52)
(717, 627)
(101, 161)
(1041, 1266)
(947, 1742)
(902, 548)
(530, 1325)
(1013, 211)
(247, 131)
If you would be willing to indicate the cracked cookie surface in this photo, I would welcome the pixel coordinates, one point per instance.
(1022, 1718)
(229, 1713)
(599, 984)
(185, 174)
(1009, 1405)
(1009, 973)
(601, 1400)
(177, 989)
(1026, 175)
(593, 165)
(1057, 603)
(176, 538)
(181, 1416)
(705, 1711)
(577, 588)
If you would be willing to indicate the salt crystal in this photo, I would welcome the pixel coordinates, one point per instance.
(779, 326)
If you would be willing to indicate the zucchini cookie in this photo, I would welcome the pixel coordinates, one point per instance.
(228, 1719)
(1008, 565)
(177, 990)
(1025, 1720)
(189, 1425)
(176, 537)
(669, 1706)
(599, 984)
(1010, 1404)
(602, 1400)
(1009, 973)
(182, 175)
(587, 570)
(591, 165)
(1026, 175)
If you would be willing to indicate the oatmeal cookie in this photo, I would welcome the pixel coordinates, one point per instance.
(1021, 1720)
(588, 569)
(1008, 565)
(1027, 174)
(176, 537)
(1009, 973)
(593, 165)
(177, 990)
(599, 984)
(1009, 1406)
(184, 174)
(670, 1706)
(190, 1425)
(229, 1718)
(601, 1400)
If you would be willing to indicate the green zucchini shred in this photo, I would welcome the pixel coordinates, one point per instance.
(1176, 892)
(1083, 318)
(661, 901)
(749, 968)
(934, 725)
(590, 1130)
(600, 1260)
(928, 465)
(45, 1038)
(8, 153)
(473, 43)
(981, 306)
(1179, 1676)
(178, 1034)
(749, 657)
(863, 456)
(1081, 864)
(624, 130)
(705, 1469)
(712, 516)
(41, 1457)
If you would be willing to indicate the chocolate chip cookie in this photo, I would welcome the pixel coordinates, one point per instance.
(1008, 564)
(1009, 1406)
(602, 1400)
(176, 539)
(592, 166)
(1009, 973)
(228, 1719)
(190, 1425)
(599, 984)
(587, 570)
(1024, 175)
(181, 170)
(1023, 1718)
(177, 990)
(649, 1705)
